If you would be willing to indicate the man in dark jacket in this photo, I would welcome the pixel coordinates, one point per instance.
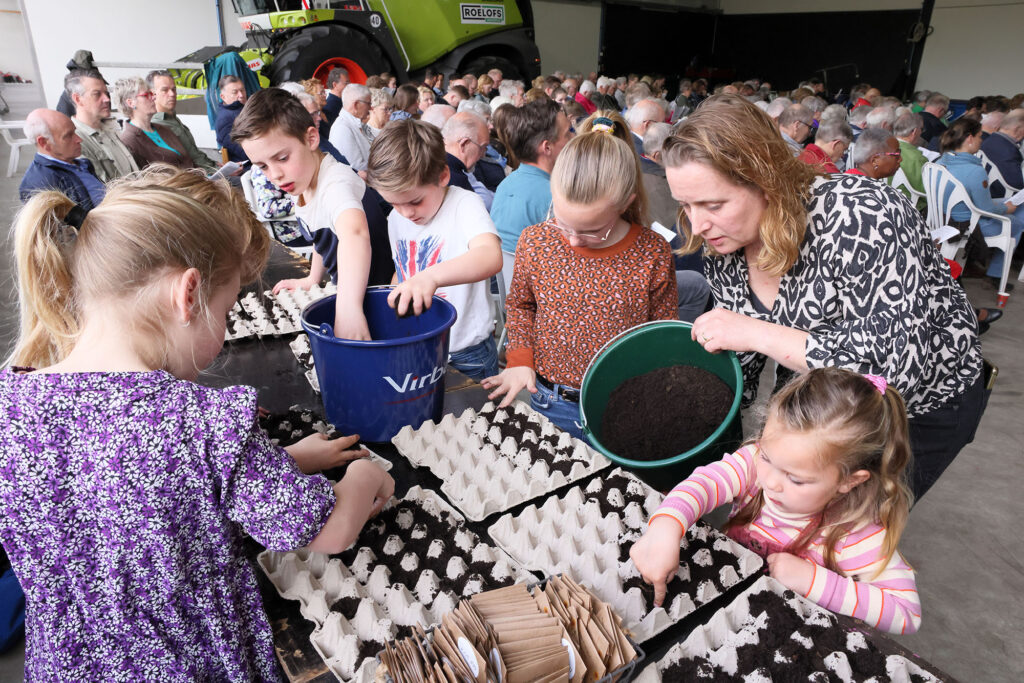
(337, 79)
(232, 99)
(1002, 149)
(57, 165)
(935, 109)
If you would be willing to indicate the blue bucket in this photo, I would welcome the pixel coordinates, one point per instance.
(374, 388)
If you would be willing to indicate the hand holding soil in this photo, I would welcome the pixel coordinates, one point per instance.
(722, 330)
(414, 295)
(793, 572)
(656, 555)
(317, 452)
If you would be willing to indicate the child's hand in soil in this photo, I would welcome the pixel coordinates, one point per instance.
(417, 292)
(510, 382)
(656, 554)
(795, 573)
(317, 452)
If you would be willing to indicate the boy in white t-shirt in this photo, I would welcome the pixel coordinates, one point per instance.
(279, 137)
(442, 239)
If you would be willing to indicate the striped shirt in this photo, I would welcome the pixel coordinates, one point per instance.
(888, 601)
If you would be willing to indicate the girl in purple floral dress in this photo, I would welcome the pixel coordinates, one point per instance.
(126, 488)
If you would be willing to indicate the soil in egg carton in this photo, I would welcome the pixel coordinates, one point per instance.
(795, 660)
(664, 412)
(516, 425)
(376, 533)
(620, 483)
(698, 575)
(292, 426)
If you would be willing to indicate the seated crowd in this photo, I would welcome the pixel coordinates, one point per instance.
(595, 203)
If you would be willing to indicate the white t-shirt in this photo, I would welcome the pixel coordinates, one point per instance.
(462, 217)
(338, 189)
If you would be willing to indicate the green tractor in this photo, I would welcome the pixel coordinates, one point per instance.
(291, 40)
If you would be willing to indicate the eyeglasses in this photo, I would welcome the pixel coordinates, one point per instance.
(146, 95)
(482, 146)
(582, 236)
(891, 154)
(809, 126)
(366, 102)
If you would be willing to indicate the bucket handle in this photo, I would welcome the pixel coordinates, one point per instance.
(326, 330)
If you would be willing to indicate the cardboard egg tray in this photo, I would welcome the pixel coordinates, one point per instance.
(777, 634)
(303, 354)
(588, 531)
(272, 315)
(410, 565)
(297, 424)
(495, 459)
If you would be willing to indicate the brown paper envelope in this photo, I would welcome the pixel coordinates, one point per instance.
(577, 666)
(593, 660)
(524, 620)
(512, 635)
(540, 668)
(562, 675)
(514, 646)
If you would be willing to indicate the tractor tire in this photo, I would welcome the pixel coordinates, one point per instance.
(312, 49)
(481, 65)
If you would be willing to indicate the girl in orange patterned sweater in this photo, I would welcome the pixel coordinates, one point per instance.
(589, 272)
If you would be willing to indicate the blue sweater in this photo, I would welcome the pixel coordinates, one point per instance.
(521, 200)
(226, 115)
(968, 170)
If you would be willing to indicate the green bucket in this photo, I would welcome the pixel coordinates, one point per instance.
(639, 350)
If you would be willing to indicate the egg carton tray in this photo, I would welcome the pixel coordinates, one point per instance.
(494, 459)
(297, 424)
(303, 354)
(769, 632)
(588, 531)
(272, 315)
(410, 565)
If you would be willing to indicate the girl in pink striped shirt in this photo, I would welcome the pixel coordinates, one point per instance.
(821, 495)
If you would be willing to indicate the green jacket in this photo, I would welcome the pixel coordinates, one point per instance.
(912, 163)
(185, 135)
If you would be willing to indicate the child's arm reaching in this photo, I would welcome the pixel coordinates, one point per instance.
(480, 262)
(361, 494)
(520, 310)
(353, 274)
(317, 452)
(888, 601)
(316, 274)
(656, 554)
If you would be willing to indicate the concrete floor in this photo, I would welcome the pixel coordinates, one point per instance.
(959, 538)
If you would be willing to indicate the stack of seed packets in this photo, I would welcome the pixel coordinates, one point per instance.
(557, 632)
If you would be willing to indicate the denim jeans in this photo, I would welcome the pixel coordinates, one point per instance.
(565, 414)
(477, 361)
(693, 291)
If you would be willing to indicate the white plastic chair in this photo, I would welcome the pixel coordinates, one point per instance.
(503, 278)
(250, 197)
(996, 176)
(937, 182)
(901, 182)
(14, 143)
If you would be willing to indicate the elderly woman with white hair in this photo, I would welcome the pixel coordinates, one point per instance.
(149, 143)
(381, 106)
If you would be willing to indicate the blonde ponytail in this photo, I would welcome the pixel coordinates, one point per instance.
(42, 245)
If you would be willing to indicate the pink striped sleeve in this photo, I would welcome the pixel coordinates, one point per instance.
(888, 601)
(708, 487)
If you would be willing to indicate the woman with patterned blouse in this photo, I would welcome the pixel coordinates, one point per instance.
(817, 271)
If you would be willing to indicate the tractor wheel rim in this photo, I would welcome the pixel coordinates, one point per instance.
(355, 72)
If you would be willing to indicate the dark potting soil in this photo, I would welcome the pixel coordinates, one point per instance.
(664, 412)
(516, 426)
(294, 425)
(779, 655)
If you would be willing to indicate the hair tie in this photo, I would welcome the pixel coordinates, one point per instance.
(878, 381)
(74, 217)
(603, 124)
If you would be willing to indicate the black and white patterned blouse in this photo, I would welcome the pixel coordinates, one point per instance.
(872, 292)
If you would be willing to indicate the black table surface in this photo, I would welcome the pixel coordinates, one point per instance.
(270, 366)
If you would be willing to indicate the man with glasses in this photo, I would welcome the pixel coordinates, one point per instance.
(796, 123)
(164, 89)
(349, 132)
(465, 143)
(100, 134)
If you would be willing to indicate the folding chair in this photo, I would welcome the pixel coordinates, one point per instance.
(943, 192)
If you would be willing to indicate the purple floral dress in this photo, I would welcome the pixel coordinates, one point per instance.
(123, 500)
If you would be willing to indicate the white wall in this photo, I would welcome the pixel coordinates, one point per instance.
(974, 50)
(117, 31)
(568, 35)
(15, 55)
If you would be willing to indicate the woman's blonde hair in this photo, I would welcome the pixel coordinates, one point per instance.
(159, 222)
(730, 135)
(125, 88)
(859, 428)
(601, 163)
